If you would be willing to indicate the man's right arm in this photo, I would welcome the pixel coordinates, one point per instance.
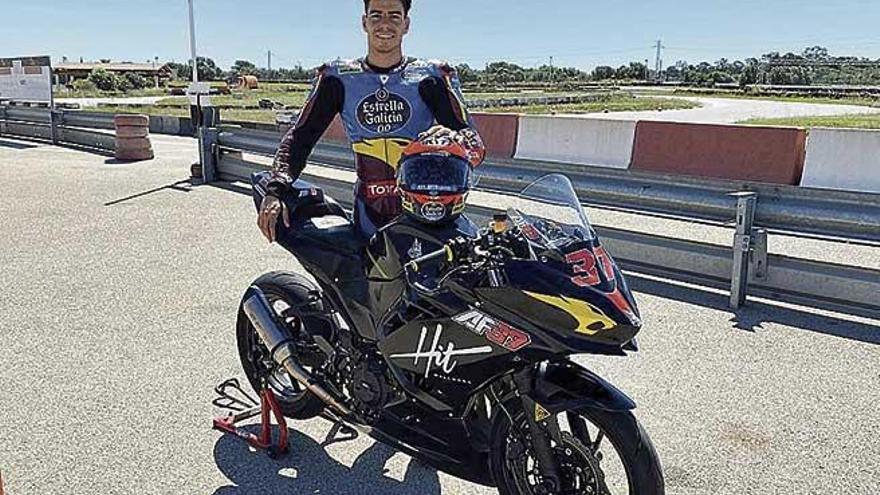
(323, 104)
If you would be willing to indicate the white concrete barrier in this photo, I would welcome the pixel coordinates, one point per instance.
(601, 143)
(845, 159)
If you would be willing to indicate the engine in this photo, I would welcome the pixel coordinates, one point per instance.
(366, 377)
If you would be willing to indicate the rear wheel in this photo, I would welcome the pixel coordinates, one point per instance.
(293, 299)
(602, 453)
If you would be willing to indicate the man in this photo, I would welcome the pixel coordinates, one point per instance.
(386, 101)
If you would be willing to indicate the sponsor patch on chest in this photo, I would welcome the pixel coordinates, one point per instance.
(384, 112)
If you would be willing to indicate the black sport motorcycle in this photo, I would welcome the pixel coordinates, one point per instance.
(452, 343)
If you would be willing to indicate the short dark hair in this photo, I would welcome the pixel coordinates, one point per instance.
(407, 4)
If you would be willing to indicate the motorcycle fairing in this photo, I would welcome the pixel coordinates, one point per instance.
(565, 386)
(552, 329)
(580, 255)
(445, 360)
(460, 452)
(396, 244)
(571, 319)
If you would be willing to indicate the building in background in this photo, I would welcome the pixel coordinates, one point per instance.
(159, 74)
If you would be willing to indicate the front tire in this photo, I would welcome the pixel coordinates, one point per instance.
(292, 297)
(584, 457)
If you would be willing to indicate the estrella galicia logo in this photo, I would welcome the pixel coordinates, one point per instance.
(433, 212)
(383, 112)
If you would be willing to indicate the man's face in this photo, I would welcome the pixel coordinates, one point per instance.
(385, 24)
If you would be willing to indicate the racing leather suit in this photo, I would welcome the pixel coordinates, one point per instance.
(383, 110)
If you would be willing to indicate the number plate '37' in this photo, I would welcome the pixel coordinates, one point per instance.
(585, 265)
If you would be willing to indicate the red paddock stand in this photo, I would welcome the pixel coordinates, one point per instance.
(242, 407)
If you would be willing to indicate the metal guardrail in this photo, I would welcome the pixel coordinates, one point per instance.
(59, 127)
(827, 213)
(745, 266)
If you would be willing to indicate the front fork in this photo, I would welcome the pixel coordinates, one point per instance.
(543, 427)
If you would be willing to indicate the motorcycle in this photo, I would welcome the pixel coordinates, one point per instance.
(453, 343)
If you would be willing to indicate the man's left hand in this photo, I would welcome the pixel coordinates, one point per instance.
(439, 132)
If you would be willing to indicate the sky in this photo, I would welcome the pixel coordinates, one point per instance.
(578, 33)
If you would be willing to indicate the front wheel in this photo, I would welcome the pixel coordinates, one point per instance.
(602, 453)
(292, 297)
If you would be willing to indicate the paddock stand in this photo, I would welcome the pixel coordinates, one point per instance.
(232, 397)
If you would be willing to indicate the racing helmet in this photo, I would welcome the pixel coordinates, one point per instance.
(433, 180)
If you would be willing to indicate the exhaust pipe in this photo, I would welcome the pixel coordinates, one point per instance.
(280, 345)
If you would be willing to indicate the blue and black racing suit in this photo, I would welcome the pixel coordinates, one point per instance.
(383, 110)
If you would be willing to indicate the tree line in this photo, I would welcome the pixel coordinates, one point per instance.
(812, 66)
(209, 71)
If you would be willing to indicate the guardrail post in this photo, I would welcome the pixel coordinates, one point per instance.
(2, 119)
(54, 119)
(758, 255)
(742, 246)
(208, 137)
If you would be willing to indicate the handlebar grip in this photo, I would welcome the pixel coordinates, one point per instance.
(445, 252)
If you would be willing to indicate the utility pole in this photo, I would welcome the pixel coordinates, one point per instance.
(270, 60)
(192, 42)
(552, 71)
(658, 63)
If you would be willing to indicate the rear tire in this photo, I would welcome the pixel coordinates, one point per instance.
(294, 296)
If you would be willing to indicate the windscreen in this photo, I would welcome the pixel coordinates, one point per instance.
(550, 215)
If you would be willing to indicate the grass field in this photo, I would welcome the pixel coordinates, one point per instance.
(265, 88)
(515, 94)
(64, 93)
(849, 100)
(289, 95)
(854, 121)
(263, 116)
(245, 99)
(615, 103)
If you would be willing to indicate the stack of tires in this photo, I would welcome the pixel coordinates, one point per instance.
(133, 138)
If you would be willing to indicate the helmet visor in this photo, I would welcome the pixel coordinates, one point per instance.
(437, 173)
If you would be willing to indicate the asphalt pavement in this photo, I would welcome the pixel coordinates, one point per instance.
(120, 288)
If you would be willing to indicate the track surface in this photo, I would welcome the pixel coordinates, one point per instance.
(119, 298)
(131, 100)
(730, 111)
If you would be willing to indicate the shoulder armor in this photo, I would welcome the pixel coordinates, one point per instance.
(436, 68)
(342, 67)
(322, 69)
(443, 67)
(417, 63)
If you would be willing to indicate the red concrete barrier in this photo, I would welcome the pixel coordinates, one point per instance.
(336, 132)
(499, 132)
(758, 154)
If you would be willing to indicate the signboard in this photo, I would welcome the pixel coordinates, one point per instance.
(26, 78)
(199, 94)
